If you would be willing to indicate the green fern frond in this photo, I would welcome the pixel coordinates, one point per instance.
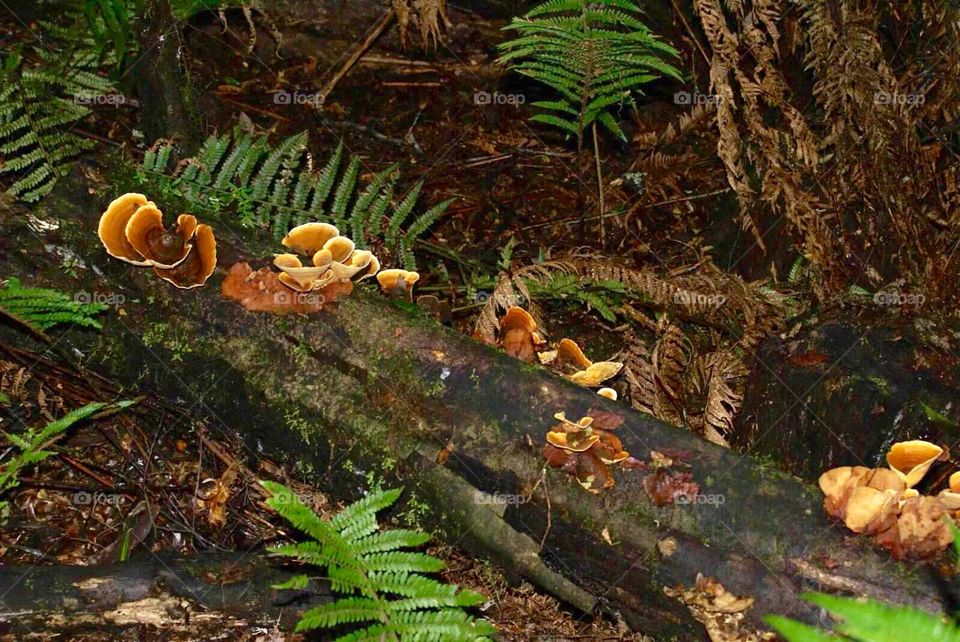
(33, 443)
(275, 187)
(386, 592)
(44, 308)
(45, 92)
(868, 621)
(594, 54)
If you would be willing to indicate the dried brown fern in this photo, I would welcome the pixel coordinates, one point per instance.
(858, 151)
(35, 398)
(703, 392)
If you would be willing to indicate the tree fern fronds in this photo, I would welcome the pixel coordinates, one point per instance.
(45, 308)
(275, 187)
(387, 595)
(594, 54)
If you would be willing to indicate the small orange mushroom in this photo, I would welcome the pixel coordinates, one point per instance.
(569, 352)
(198, 265)
(397, 282)
(911, 460)
(309, 237)
(950, 496)
(609, 393)
(148, 236)
(113, 225)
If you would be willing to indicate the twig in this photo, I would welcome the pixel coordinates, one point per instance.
(546, 494)
(359, 49)
(596, 159)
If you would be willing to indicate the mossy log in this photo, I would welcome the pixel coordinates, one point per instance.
(206, 594)
(369, 392)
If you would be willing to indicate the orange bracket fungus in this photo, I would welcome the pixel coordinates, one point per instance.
(132, 230)
(262, 291)
(518, 335)
(333, 258)
(398, 283)
(911, 460)
(883, 503)
(585, 450)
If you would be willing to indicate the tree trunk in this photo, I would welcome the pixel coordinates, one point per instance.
(366, 392)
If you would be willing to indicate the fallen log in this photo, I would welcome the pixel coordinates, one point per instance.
(366, 392)
(211, 592)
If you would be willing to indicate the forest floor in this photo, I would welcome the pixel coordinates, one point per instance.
(452, 118)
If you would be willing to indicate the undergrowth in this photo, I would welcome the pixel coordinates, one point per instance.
(387, 594)
(276, 187)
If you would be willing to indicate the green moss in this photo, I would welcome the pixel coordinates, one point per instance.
(176, 340)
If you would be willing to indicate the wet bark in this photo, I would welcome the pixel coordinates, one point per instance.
(840, 394)
(368, 392)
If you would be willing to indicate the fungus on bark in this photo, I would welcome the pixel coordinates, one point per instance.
(263, 291)
(882, 503)
(584, 450)
(334, 258)
(132, 230)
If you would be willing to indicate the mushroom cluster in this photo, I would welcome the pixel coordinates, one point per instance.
(585, 449)
(883, 503)
(519, 337)
(334, 258)
(132, 230)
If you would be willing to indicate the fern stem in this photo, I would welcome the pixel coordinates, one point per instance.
(596, 159)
